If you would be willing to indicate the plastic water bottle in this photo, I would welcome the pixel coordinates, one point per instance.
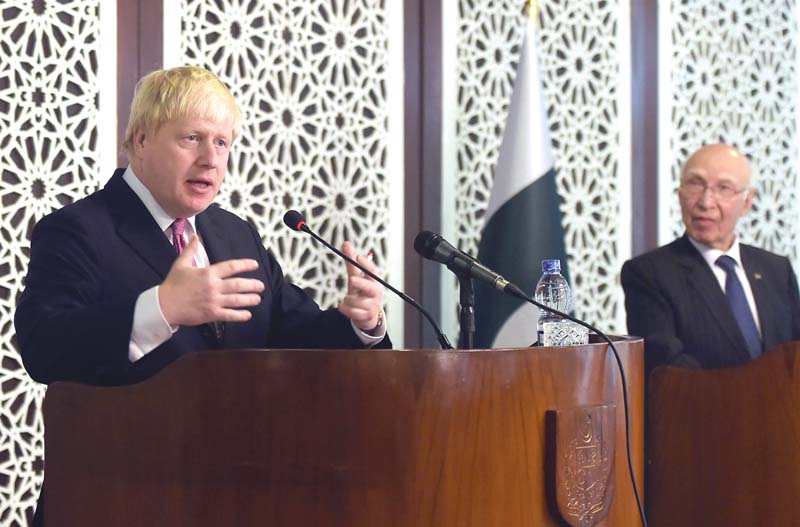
(552, 290)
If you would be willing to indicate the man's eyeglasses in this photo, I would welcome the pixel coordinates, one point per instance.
(697, 188)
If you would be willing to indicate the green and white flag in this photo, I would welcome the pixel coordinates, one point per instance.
(523, 220)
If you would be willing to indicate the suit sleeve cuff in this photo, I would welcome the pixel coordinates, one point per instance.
(150, 328)
(371, 338)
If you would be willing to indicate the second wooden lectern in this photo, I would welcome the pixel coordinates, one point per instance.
(725, 444)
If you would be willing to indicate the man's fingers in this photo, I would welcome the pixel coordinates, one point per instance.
(234, 315)
(356, 314)
(353, 302)
(239, 301)
(368, 263)
(233, 267)
(362, 304)
(241, 285)
(364, 285)
(233, 308)
(348, 250)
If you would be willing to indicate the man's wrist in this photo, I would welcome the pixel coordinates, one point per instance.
(372, 337)
(379, 323)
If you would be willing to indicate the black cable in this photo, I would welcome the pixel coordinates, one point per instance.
(519, 293)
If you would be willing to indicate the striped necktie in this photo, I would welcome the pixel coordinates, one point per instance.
(178, 227)
(739, 306)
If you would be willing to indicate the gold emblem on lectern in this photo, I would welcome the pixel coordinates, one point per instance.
(584, 456)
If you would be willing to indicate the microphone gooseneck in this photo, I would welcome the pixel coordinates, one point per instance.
(433, 247)
(297, 222)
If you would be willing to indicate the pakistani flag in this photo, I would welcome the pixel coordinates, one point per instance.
(523, 221)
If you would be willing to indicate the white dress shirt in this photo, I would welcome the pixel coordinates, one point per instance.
(710, 255)
(150, 328)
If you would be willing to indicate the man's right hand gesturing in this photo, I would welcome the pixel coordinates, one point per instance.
(190, 296)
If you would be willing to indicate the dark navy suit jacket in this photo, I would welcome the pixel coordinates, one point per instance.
(675, 302)
(91, 260)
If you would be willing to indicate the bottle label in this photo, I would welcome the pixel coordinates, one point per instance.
(562, 333)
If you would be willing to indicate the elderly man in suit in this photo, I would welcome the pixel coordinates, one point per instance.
(706, 300)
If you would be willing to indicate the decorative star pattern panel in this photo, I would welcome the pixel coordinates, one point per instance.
(731, 76)
(311, 79)
(48, 158)
(580, 69)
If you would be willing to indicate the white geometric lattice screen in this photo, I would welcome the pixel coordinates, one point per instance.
(729, 73)
(584, 60)
(54, 148)
(313, 81)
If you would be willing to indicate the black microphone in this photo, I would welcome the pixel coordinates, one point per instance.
(297, 222)
(433, 247)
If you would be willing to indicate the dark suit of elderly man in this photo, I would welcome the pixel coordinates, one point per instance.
(705, 300)
(125, 281)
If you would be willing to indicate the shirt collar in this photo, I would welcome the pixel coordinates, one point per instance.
(163, 219)
(710, 255)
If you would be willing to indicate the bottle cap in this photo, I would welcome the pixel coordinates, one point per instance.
(551, 266)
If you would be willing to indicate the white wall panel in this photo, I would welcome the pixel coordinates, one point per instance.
(57, 144)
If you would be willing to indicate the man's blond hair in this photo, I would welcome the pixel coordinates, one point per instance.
(179, 92)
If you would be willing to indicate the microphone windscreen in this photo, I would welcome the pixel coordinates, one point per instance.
(425, 243)
(294, 220)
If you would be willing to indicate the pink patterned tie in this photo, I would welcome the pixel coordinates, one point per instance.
(178, 227)
(177, 237)
(177, 234)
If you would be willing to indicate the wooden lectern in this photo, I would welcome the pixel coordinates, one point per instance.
(724, 444)
(336, 438)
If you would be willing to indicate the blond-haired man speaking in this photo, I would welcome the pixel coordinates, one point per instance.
(125, 281)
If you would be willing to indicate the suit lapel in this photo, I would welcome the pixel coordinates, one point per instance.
(702, 279)
(213, 237)
(218, 249)
(756, 277)
(137, 227)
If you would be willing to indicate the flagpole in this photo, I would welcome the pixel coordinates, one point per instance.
(533, 9)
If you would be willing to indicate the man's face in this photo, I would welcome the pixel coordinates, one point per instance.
(710, 216)
(183, 163)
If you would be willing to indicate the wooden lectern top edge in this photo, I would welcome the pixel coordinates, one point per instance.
(786, 354)
(249, 357)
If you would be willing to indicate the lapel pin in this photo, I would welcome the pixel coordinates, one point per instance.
(757, 276)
